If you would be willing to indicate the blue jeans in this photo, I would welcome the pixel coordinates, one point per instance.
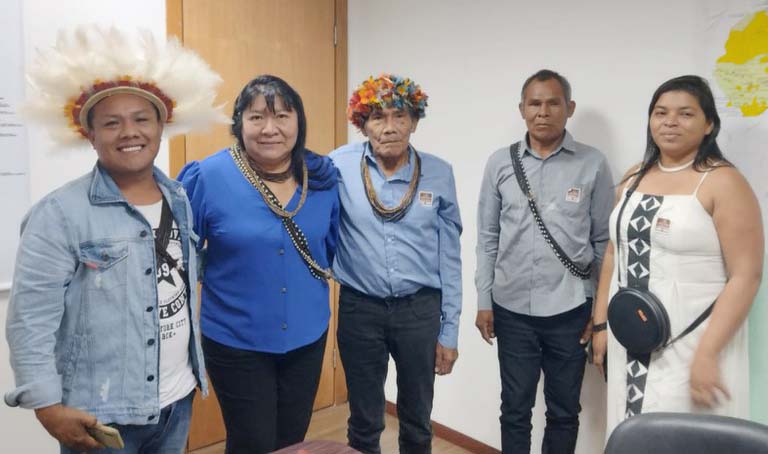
(527, 346)
(168, 436)
(370, 330)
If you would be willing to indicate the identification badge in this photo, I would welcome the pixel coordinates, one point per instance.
(425, 198)
(573, 195)
(663, 225)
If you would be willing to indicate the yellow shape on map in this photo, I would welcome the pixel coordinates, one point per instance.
(747, 40)
(742, 72)
(754, 109)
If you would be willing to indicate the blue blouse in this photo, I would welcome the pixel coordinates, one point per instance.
(258, 293)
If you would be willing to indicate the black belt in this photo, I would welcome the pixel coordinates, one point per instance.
(390, 299)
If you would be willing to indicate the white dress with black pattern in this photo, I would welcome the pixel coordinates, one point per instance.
(669, 245)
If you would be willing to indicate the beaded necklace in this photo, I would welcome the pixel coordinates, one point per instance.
(396, 213)
(666, 169)
(294, 232)
(277, 177)
(242, 163)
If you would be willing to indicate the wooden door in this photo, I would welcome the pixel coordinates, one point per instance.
(303, 42)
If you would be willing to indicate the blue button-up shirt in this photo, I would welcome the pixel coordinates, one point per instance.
(394, 259)
(84, 302)
(515, 266)
(258, 293)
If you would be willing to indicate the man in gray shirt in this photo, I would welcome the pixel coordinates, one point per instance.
(537, 303)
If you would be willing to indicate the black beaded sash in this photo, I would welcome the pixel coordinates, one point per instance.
(638, 276)
(299, 240)
(522, 180)
(294, 231)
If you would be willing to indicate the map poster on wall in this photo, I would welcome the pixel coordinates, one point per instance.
(735, 60)
(14, 161)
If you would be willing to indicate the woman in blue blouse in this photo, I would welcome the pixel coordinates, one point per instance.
(267, 209)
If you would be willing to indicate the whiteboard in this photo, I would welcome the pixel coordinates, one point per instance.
(14, 158)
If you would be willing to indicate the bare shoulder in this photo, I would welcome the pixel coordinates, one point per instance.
(726, 181)
(727, 188)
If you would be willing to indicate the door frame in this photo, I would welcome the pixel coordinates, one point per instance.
(178, 157)
(174, 21)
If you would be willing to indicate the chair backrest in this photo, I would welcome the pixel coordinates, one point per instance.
(675, 433)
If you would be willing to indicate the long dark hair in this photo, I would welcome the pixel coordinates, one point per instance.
(270, 87)
(709, 154)
(322, 173)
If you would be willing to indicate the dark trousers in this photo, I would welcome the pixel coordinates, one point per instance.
(528, 345)
(371, 329)
(266, 398)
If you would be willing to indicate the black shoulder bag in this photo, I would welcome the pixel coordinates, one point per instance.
(522, 180)
(636, 316)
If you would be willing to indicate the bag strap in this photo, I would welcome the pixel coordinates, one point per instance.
(522, 181)
(695, 324)
(703, 316)
(617, 246)
(163, 237)
(297, 236)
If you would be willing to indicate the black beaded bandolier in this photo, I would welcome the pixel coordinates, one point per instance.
(294, 232)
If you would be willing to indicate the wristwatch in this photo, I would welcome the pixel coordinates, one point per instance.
(597, 327)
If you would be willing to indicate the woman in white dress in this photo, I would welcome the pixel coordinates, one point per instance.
(692, 234)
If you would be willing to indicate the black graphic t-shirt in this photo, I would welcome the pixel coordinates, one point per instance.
(176, 376)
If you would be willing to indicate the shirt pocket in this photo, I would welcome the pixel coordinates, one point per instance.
(573, 197)
(423, 210)
(105, 263)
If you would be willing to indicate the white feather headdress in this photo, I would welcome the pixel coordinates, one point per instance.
(91, 63)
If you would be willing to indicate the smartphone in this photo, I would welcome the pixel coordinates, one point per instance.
(108, 436)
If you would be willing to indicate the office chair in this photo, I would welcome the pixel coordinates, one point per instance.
(685, 433)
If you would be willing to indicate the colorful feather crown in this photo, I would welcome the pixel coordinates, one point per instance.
(91, 63)
(387, 90)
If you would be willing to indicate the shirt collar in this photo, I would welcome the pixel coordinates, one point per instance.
(568, 145)
(404, 173)
(104, 190)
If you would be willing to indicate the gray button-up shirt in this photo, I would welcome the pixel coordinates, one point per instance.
(516, 268)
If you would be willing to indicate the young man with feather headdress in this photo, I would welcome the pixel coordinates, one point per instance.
(99, 325)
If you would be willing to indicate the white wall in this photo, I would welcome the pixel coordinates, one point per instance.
(471, 58)
(50, 167)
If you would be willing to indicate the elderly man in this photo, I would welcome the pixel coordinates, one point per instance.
(99, 325)
(542, 229)
(398, 262)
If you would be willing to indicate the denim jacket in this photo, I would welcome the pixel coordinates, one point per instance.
(83, 305)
